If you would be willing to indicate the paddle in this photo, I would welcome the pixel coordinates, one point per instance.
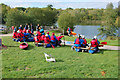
(53, 46)
(100, 45)
(104, 43)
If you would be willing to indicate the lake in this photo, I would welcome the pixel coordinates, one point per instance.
(88, 30)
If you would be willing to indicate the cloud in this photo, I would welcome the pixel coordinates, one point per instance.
(62, 5)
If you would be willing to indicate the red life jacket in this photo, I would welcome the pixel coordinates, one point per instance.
(96, 42)
(20, 34)
(93, 43)
(24, 31)
(85, 42)
(42, 37)
(29, 31)
(38, 33)
(15, 34)
(20, 30)
(52, 37)
(46, 40)
(77, 41)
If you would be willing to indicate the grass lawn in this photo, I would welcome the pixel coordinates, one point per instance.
(30, 63)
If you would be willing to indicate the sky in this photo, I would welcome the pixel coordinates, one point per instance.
(60, 3)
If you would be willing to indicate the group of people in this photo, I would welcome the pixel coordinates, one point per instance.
(42, 38)
(80, 41)
(23, 34)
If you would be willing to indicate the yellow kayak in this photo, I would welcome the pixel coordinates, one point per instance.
(73, 33)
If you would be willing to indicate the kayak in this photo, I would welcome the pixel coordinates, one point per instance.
(73, 33)
(23, 45)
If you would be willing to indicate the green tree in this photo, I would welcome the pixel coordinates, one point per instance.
(109, 6)
(42, 16)
(109, 28)
(65, 20)
(16, 17)
(5, 10)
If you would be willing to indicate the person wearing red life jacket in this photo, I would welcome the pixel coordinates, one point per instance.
(77, 42)
(20, 36)
(46, 39)
(15, 34)
(69, 30)
(94, 43)
(48, 35)
(85, 41)
(95, 37)
(59, 39)
(42, 38)
(54, 39)
(20, 29)
(36, 38)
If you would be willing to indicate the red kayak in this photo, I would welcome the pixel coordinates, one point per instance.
(23, 45)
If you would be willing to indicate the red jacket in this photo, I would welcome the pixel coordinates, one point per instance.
(68, 29)
(93, 43)
(42, 37)
(15, 34)
(77, 41)
(29, 31)
(38, 32)
(52, 37)
(47, 40)
(85, 42)
(20, 35)
(24, 31)
(20, 30)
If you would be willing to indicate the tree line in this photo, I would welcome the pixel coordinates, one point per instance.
(108, 18)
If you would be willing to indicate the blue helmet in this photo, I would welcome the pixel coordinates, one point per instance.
(25, 27)
(20, 27)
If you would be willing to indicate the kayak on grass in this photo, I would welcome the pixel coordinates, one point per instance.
(23, 45)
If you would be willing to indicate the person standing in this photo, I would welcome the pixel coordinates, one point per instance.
(26, 25)
(38, 27)
(69, 31)
(32, 30)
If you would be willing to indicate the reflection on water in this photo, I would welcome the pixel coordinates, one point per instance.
(88, 30)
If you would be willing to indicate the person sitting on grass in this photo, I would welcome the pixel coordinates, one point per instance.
(42, 31)
(54, 39)
(15, 34)
(69, 31)
(77, 42)
(84, 42)
(19, 36)
(94, 45)
(48, 35)
(95, 37)
(20, 29)
(42, 38)
(46, 39)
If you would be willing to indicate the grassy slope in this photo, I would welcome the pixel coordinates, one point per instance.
(17, 63)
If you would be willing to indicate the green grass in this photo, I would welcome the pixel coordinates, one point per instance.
(30, 63)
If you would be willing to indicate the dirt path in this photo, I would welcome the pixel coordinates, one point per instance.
(5, 34)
